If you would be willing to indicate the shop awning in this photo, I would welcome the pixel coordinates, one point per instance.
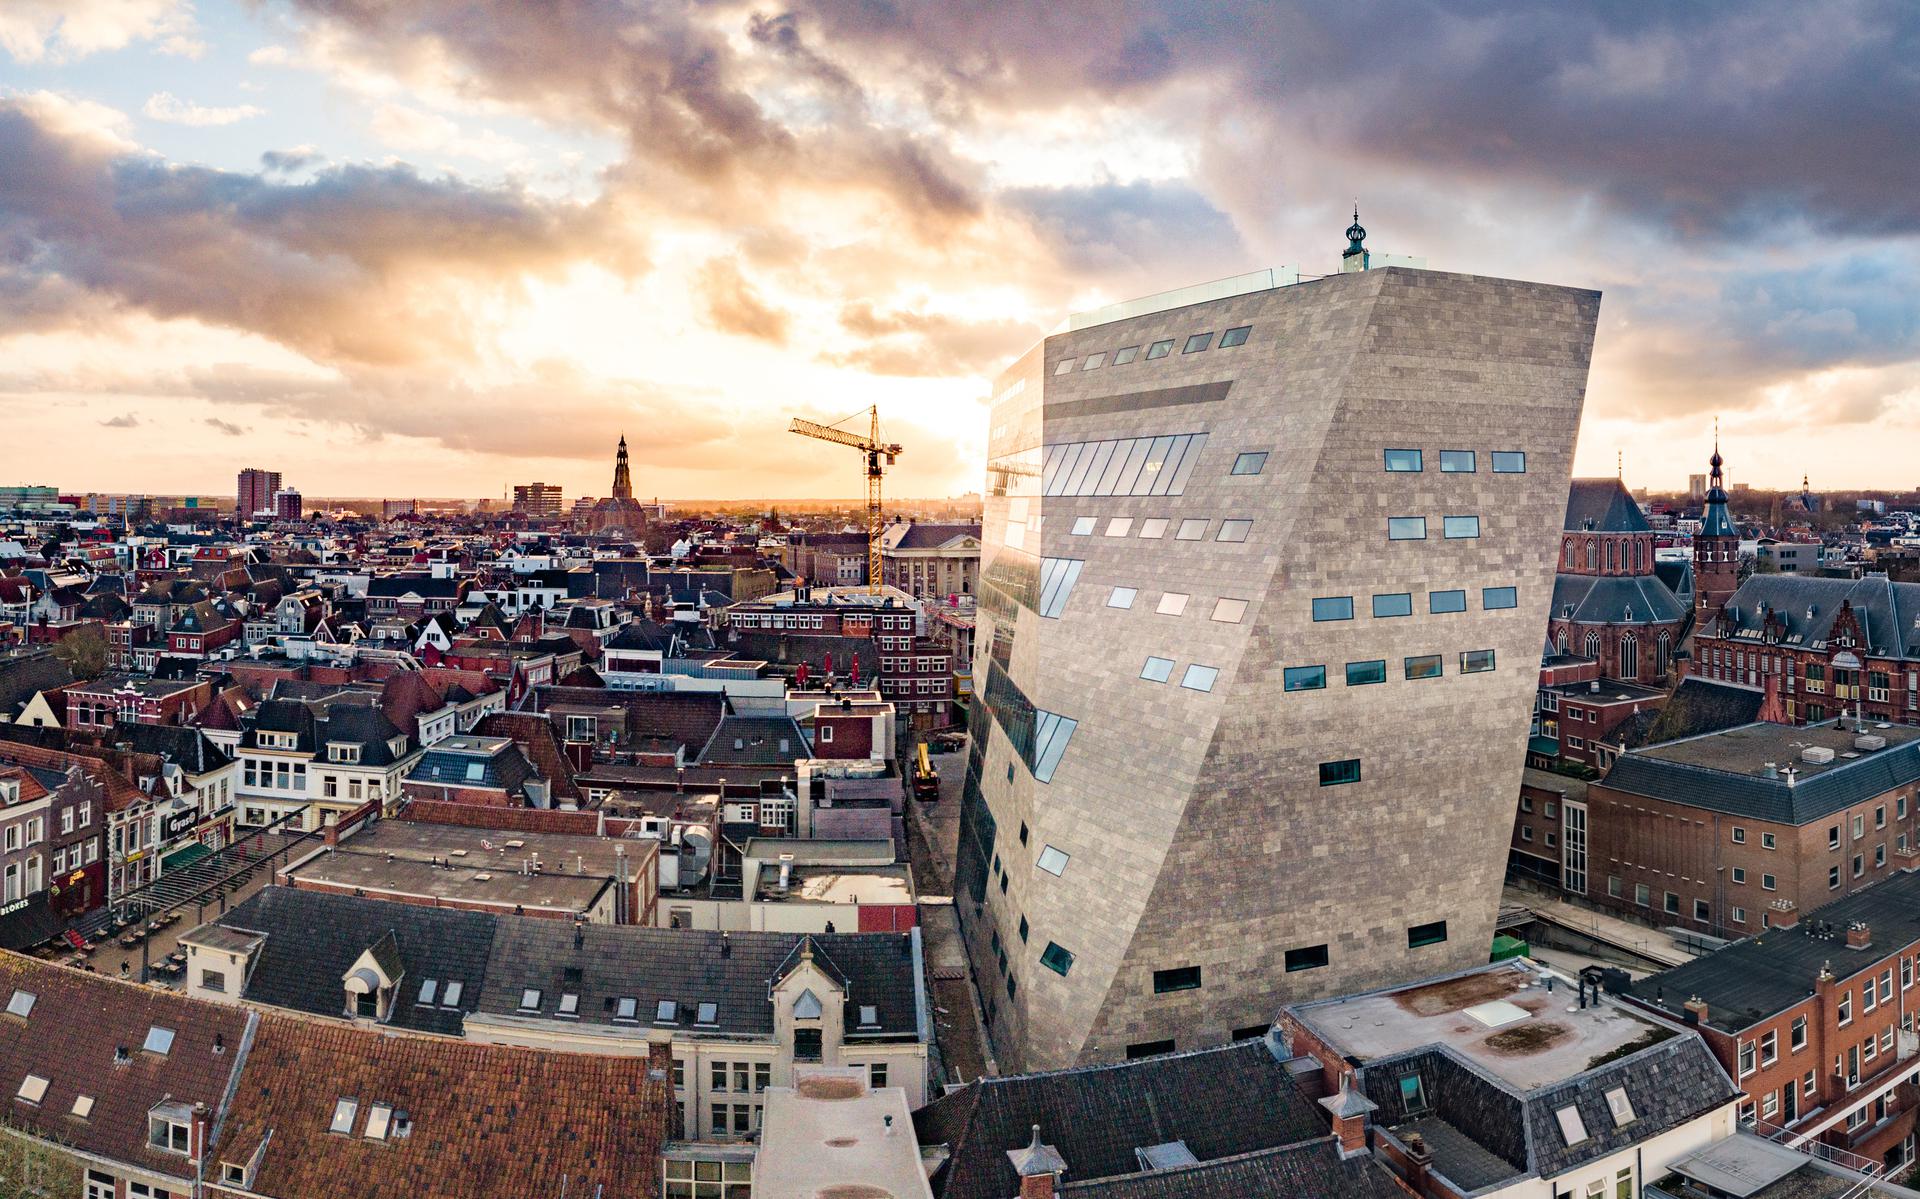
(29, 923)
(186, 855)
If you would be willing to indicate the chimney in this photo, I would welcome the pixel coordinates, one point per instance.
(1696, 1010)
(1859, 935)
(197, 1132)
(1419, 1163)
(1773, 710)
(1039, 1167)
(1785, 914)
(1350, 1110)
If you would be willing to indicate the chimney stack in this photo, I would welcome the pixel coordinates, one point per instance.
(1350, 1111)
(1859, 935)
(1039, 1167)
(1696, 1009)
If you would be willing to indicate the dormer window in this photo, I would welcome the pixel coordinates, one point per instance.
(168, 1127)
(339, 752)
(807, 1007)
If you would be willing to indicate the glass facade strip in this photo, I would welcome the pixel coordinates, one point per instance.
(1137, 448)
(1188, 461)
(1110, 473)
(1156, 459)
(1090, 481)
(1082, 463)
(1163, 479)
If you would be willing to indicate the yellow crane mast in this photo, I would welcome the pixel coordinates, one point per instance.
(875, 450)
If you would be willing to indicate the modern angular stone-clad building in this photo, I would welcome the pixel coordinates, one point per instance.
(1263, 591)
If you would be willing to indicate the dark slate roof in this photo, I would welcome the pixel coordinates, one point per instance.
(192, 750)
(1888, 612)
(1662, 772)
(312, 939)
(918, 536)
(1678, 577)
(1310, 1170)
(1700, 706)
(1615, 599)
(23, 678)
(1765, 974)
(1603, 506)
(692, 966)
(642, 635)
(1669, 1083)
(507, 770)
(755, 741)
(425, 586)
(1223, 1102)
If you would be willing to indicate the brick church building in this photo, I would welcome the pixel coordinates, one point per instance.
(1612, 602)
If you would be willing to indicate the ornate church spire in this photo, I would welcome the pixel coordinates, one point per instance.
(622, 480)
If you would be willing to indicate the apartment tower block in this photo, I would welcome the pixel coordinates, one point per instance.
(1265, 574)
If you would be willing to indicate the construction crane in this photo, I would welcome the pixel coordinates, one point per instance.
(874, 449)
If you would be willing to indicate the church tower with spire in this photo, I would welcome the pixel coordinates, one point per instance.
(622, 479)
(1716, 549)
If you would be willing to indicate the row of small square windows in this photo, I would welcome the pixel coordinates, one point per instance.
(1374, 670)
(1456, 462)
(1196, 343)
(1400, 603)
(1188, 978)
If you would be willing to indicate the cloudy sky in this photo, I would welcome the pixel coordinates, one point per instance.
(433, 246)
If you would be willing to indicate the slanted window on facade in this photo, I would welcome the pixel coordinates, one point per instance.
(1053, 861)
(1199, 678)
(1157, 670)
(1121, 597)
(1251, 463)
(1236, 336)
(1234, 530)
(1229, 611)
(1193, 528)
(1056, 959)
(1160, 349)
(1172, 603)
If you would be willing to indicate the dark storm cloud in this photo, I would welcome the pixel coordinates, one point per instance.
(349, 265)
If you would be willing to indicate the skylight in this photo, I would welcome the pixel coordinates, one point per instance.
(709, 1013)
(627, 1009)
(1572, 1128)
(869, 1016)
(159, 1040)
(379, 1115)
(530, 999)
(33, 1088)
(83, 1106)
(343, 1113)
(569, 1004)
(21, 1004)
(427, 991)
(667, 1012)
(1621, 1107)
(451, 996)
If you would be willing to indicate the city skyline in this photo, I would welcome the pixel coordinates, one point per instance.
(465, 252)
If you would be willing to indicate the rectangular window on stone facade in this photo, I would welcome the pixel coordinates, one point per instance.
(1509, 462)
(1458, 528)
(1499, 597)
(1423, 666)
(1456, 462)
(1180, 978)
(1442, 602)
(1305, 678)
(1396, 603)
(1360, 674)
(1347, 770)
(1426, 934)
(1311, 957)
(1406, 528)
(1056, 959)
(1476, 661)
(1333, 607)
(1149, 1049)
(1403, 461)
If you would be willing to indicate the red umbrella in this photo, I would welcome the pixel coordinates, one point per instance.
(800, 676)
(853, 660)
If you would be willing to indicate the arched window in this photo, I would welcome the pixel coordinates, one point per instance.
(1566, 554)
(1593, 559)
(1593, 646)
(1612, 558)
(1629, 657)
(1664, 650)
(1563, 641)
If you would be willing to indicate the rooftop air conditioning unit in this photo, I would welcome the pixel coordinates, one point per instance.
(1869, 742)
(1819, 755)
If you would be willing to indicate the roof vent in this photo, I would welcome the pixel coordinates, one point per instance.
(1770, 771)
(1819, 755)
(1869, 742)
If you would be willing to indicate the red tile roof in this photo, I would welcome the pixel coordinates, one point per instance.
(120, 792)
(482, 1120)
(70, 1038)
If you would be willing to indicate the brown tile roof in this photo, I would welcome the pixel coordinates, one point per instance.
(535, 736)
(120, 792)
(482, 1120)
(70, 1038)
(30, 788)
